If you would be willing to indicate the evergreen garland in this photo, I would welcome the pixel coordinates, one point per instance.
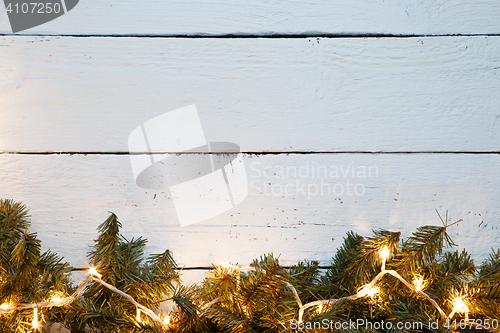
(26, 274)
(263, 297)
(120, 262)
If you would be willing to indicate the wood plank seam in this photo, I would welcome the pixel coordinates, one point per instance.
(249, 152)
(249, 36)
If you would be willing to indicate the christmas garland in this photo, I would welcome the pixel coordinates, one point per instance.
(366, 288)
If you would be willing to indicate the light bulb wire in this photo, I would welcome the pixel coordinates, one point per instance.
(362, 292)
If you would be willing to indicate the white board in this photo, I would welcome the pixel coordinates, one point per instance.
(70, 195)
(266, 95)
(273, 17)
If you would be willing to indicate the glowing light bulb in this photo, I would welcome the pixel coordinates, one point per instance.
(320, 308)
(166, 320)
(5, 306)
(57, 298)
(35, 323)
(385, 253)
(418, 283)
(228, 266)
(459, 305)
(93, 271)
(372, 291)
(368, 291)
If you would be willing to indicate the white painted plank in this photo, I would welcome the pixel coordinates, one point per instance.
(264, 17)
(387, 94)
(70, 195)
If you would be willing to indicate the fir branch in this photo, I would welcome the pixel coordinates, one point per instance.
(13, 222)
(422, 248)
(366, 263)
(489, 275)
(229, 321)
(182, 298)
(333, 283)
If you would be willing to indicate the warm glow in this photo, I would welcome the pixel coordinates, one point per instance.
(34, 323)
(418, 283)
(460, 306)
(385, 253)
(166, 319)
(93, 272)
(56, 298)
(228, 266)
(5, 306)
(320, 308)
(138, 315)
(368, 291)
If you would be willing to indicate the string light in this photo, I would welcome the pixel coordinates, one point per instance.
(385, 253)
(418, 282)
(368, 291)
(58, 299)
(138, 315)
(460, 306)
(35, 323)
(229, 267)
(93, 272)
(5, 306)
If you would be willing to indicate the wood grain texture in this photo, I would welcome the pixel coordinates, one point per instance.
(279, 95)
(271, 17)
(288, 210)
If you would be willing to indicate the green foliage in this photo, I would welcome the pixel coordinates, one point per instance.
(422, 248)
(259, 301)
(489, 275)
(26, 274)
(256, 300)
(120, 262)
(29, 276)
(356, 263)
(487, 287)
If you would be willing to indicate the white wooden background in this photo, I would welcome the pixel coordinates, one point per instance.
(409, 88)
